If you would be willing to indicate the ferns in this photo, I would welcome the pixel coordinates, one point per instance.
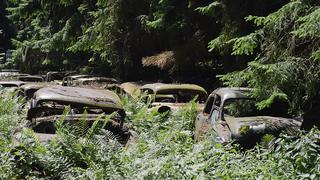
(165, 149)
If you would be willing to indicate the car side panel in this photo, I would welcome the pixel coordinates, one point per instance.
(202, 125)
(222, 129)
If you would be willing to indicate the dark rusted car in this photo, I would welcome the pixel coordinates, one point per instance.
(11, 84)
(48, 104)
(166, 97)
(8, 72)
(89, 81)
(11, 76)
(27, 90)
(69, 80)
(95, 82)
(55, 76)
(30, 78)
(234, 116)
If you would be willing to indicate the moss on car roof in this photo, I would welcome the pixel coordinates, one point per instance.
(76, 95)
(132, 88)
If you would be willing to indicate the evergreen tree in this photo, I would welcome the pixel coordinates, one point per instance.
(286, 46)
(6, 31)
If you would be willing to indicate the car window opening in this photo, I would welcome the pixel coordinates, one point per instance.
(248, 108)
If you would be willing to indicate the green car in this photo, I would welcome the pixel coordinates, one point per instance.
(234, 116)
(171, 97)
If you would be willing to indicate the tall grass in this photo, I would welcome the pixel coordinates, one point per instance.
(165, 149)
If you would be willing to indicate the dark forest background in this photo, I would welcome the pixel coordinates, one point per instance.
(269, 45)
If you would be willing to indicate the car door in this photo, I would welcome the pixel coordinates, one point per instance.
(202, 123)
(218, 124)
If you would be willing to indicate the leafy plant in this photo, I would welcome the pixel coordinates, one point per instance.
(165, 149)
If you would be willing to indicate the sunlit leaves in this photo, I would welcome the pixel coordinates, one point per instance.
(244, 45)
(310, 25)
(209, 10)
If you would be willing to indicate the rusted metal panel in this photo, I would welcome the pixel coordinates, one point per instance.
(76, 95)
(12, 83)
(244, 128)
(30, 78)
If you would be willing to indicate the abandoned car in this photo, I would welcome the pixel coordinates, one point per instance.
(8, 73)
(27, 90)
(234, 116)
(30, 78)
(131, 89)
(95, 82)
(167, 97)
(54, 76)
(48, 104)
(11, 84)
(68, 80)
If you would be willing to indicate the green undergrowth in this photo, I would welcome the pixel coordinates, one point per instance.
(165, 149)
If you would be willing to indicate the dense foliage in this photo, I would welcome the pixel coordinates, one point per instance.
(269, 45)
(6, 31)
(165, 149)
(110, 38)
(105, 36)
(286, 45)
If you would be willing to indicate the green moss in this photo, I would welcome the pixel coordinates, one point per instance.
(244, 130)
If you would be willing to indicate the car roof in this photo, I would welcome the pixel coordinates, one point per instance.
(10, 70)
(231, 93)
(36, 85)
(17, 83)
(156, 87)
(96, 79)
(30, 77)
(77, 95)
(77, 76)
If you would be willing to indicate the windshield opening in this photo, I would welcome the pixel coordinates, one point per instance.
(180, 97)
(248, 108)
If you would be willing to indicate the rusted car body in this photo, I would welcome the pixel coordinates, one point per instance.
(69, 80)
(233, 116)
(8, 73)
(30, 78)
(166, 97)
(48, 104)
(11, 84)
(27, 90)
(16, 76)
(55, 76)
(131, 89)
(89, 81)
(11, 76)
(95, 82)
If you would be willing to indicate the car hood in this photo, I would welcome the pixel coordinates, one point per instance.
(260, 124)
(76, 95)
